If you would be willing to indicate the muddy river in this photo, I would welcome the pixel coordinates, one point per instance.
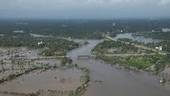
(107, 80)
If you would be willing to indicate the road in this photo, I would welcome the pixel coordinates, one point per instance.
(126, 55)
(138, 46)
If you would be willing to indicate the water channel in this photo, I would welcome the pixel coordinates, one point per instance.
(108, 80)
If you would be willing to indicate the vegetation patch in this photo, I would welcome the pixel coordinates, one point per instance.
(117, 47)
(130, 56)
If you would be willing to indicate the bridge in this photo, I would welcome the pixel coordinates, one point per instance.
(85, 56)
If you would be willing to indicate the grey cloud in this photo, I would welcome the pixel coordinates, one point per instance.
(84, 8)
(164, 2)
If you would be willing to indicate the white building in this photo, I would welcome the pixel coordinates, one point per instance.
(40, 43)
(159, 48)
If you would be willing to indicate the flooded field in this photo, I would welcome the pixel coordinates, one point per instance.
(56, 79)
(24, 73)
(38, 35)
(141, 39)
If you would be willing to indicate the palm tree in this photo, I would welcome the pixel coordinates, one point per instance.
(2, 65)
(12, 63)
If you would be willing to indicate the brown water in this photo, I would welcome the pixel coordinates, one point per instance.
(57, 79)
(60, 80)
(107, 80)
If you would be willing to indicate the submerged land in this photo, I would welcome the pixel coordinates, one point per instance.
(84, 57)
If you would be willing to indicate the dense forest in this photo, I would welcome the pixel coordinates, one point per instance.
(81, 28)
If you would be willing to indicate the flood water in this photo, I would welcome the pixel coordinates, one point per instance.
(141, 39)
(107, 80)
(49, 80)
(60, 80)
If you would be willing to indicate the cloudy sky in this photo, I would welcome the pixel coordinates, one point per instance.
(99, 9)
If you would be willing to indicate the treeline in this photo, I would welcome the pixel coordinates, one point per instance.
(118, 48)
(51, 46)
(157, 35)
(58, 47)
(24, 41)
(81, 28)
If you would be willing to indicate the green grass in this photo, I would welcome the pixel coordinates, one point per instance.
(139, 62)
